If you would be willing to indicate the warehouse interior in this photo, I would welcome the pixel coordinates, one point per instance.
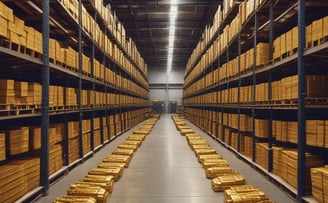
(163, 101)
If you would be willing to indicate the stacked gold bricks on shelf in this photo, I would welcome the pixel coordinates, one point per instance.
(319, 179)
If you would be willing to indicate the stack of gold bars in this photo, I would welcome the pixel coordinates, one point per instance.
(183, 127)
(224, 182)
(319, 178)
(245, 193)
(224, 178)
(78, 199)
(97, 185)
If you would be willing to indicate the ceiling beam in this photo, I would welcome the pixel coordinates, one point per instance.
(159, 28)
(160, 40)
(160, 24)
(191, 3)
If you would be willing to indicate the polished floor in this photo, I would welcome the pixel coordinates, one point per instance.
(165, 170)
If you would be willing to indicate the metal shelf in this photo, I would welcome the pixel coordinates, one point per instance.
(259, 27)
(36, 113)
(68, 28)
(247, 34)
(92, 11)
(267, 106)
(19, 65)
(231, 14)
(315, 55)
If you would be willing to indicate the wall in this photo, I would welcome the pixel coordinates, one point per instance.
(161, 94)
(158, 90)
(159, 76)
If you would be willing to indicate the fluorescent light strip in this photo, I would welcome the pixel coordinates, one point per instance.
(173, 16)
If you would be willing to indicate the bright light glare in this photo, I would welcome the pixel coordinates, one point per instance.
(173, 16)
(173, 11)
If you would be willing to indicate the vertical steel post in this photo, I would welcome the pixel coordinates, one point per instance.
(80, 80)
(92, 143)
(66, 141)
(44, 157)
(120, 101)
(106, 98)
(228, 86)
(102, 130)
(301, 180)
(220, 100)
(239, 86)
(93, 89)
(254, 83)
(270, 152)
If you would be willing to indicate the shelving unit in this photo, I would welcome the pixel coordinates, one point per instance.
(93, 87)
(257, 86)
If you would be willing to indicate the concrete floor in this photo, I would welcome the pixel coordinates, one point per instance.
(165, 170)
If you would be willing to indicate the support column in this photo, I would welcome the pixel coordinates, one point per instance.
(44, 159)
(301, 180)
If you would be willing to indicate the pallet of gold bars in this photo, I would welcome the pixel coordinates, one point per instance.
(288, 53)
(262, 103)
(318, 42)
(56, 108)
(52, 60)
(60, 63)
(72, 68)
(289, 101)
(281, 57)
(88, 106)
(86, 73)
(29, 52)
(316, 101)
(70, 107)
(276, 102)
(10, 45)
(14, 110)
(99, 78)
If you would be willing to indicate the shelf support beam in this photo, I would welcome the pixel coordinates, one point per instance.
(301, 181)
(93, 90)
(44, 159)
(271, 36)
(103, 65)
(80, 81)
(239, 86)
(254, 83)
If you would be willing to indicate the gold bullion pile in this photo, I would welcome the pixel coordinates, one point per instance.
(97, 185)
(223, 177)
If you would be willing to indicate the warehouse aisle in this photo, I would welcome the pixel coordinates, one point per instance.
(165, 170)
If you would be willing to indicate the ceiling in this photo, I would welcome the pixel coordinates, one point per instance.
(147, 23)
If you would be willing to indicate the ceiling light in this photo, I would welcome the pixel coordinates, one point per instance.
(35, 7)
(173, 15)
(172, 27)
(173, 2)
(174, 10)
